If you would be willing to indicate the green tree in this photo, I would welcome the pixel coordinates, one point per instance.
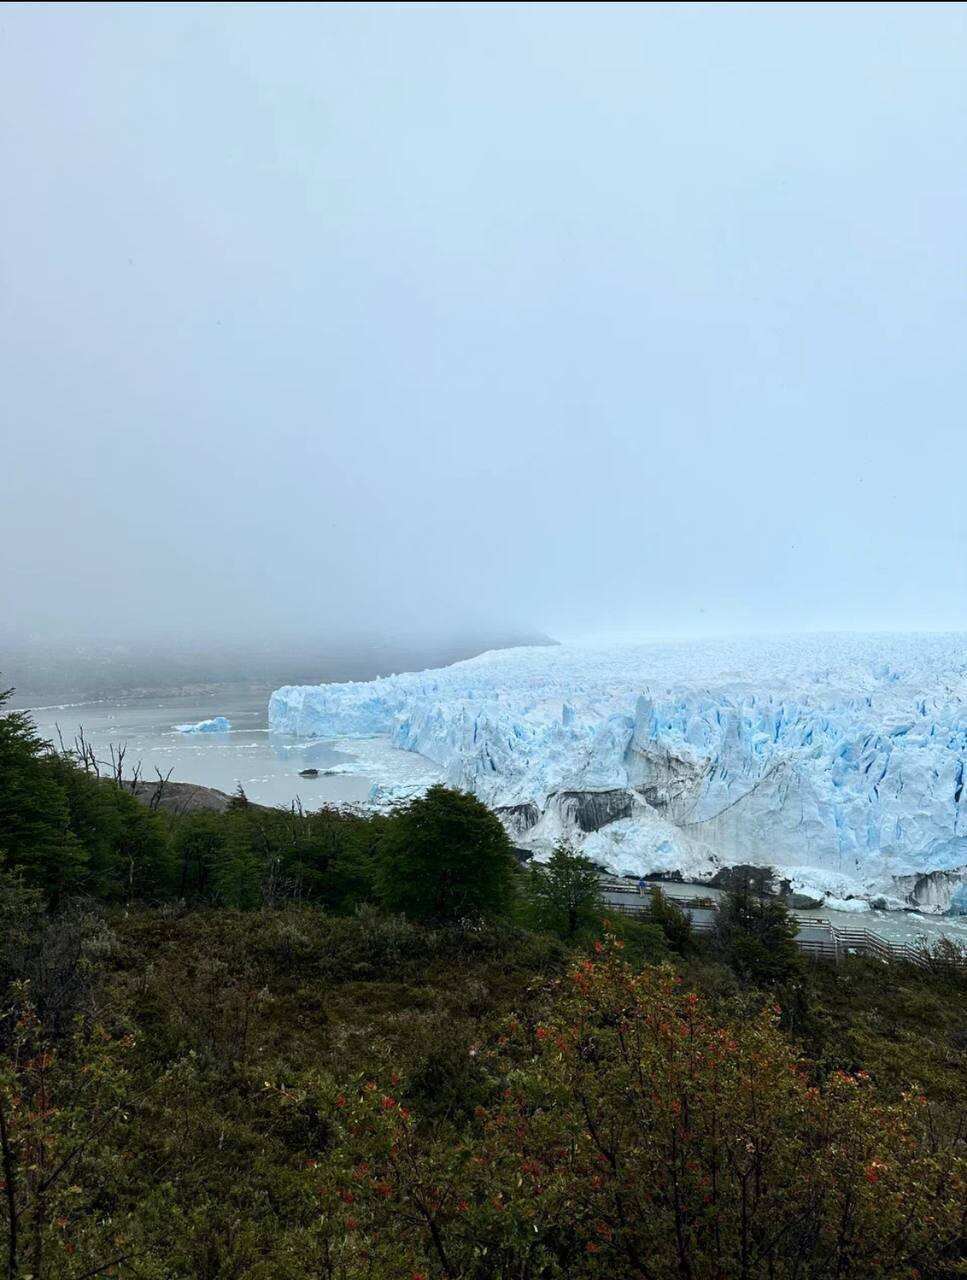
(238, 871)
(21, 923)
(145, 865)
(674, 922)
(446, 857)
(755, 936)
(325, 857)
(200, 845)
(126, 845)
(565, 893)
(35, 830)
(216, 859)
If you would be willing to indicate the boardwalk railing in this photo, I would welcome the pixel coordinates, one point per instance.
(817, 937)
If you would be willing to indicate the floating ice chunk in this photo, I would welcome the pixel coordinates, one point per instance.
(218, 724)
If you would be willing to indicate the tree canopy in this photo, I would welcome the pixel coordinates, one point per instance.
(755, 934)
(565, 893)
(445, 856)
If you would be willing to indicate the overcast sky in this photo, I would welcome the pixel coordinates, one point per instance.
(580, 318)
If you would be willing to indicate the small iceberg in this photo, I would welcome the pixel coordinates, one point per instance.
(216, 725)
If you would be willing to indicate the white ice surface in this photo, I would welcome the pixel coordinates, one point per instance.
(839, 759)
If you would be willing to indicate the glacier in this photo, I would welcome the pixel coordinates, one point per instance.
(839, 760)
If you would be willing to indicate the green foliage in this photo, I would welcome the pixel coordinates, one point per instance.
(643, 941)
(21, 920)
(326, 857)
(35, 831)
(129, 853)
(142, 864)
(200, 842)
(755, 936)
(250, 856)
(565, 894)
(446, 857)
(900, 1023)
(71, 832)
(675, 924)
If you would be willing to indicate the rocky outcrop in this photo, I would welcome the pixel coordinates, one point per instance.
(180, 797)
(518, 818)
(591, 810)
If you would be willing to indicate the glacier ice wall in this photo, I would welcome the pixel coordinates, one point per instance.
(840, 754)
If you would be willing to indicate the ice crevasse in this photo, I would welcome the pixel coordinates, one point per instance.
(838, 759)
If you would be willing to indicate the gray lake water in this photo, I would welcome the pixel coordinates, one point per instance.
(265, 765)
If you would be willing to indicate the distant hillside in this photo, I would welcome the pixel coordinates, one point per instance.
(45, 671)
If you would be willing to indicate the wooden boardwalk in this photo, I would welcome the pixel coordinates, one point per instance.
(816, 937)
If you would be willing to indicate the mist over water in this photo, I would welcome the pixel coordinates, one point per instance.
(414, 321)
(68, 670)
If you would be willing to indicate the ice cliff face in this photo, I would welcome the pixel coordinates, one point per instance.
(839, 759)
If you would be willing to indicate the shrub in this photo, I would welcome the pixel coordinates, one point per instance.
(640, 1135)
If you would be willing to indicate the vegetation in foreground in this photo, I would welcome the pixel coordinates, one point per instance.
(263, 1044)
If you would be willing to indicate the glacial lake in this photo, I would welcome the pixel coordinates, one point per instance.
(265, 765)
